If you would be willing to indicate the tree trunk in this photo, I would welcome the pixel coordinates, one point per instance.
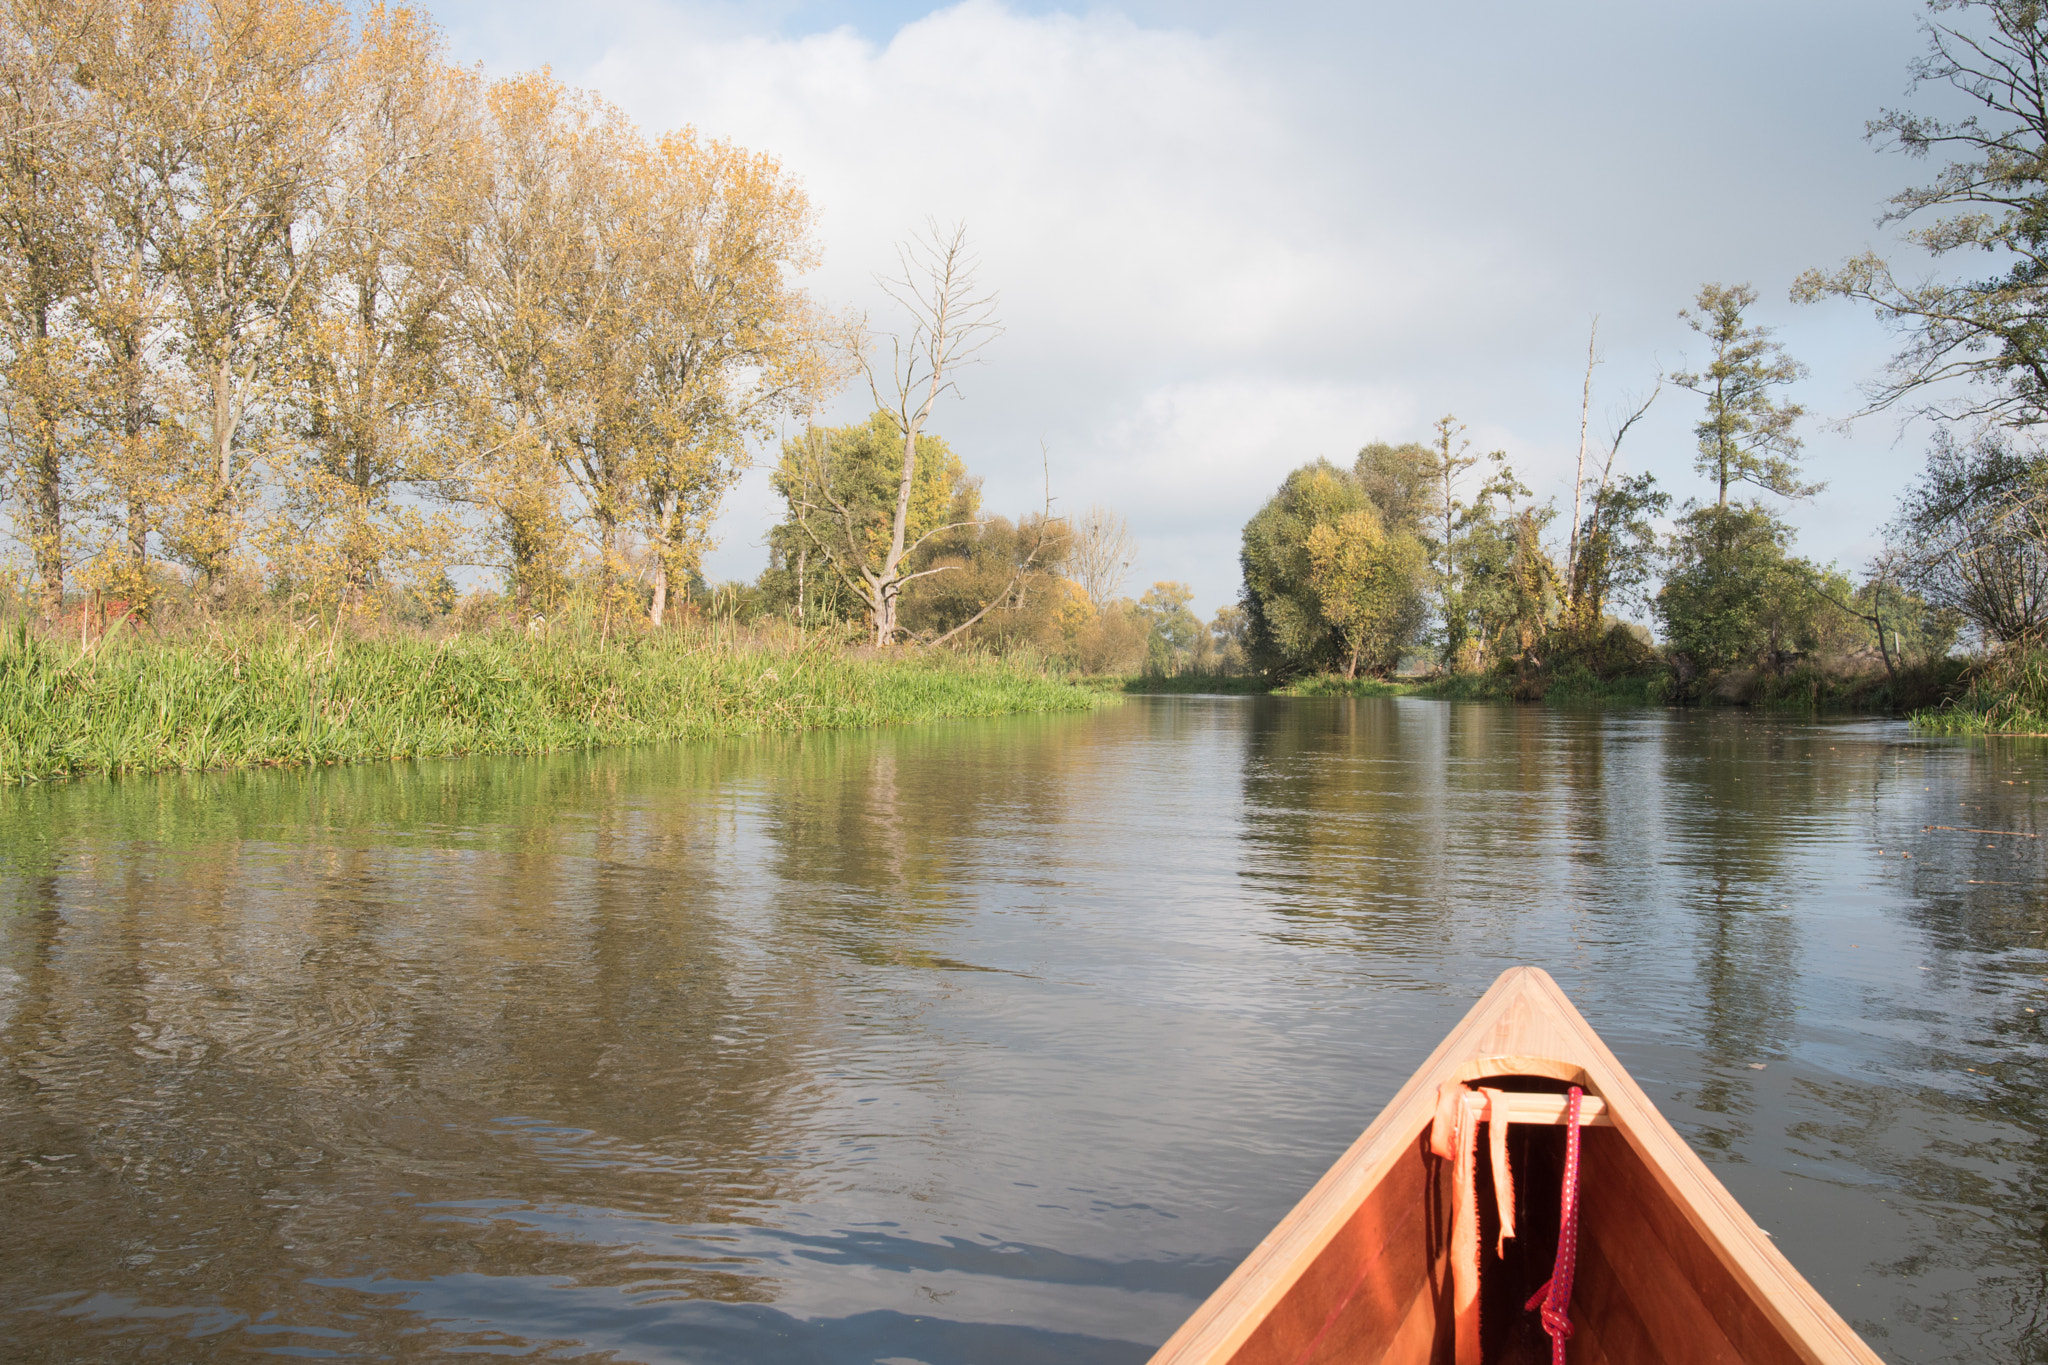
(661, 553)
(48, 519)
(46, 483)
(218, 530)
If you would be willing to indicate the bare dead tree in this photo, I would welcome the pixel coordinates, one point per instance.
(951, 320)
(1585, 412)
(1102, 554)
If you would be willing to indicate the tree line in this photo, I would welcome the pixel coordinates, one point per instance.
(1428, 550)
(291, 302)
(283, 290)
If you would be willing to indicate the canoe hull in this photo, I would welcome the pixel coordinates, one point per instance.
(1670, 1267)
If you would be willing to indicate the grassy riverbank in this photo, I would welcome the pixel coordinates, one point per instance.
(268, 696)
(1923, 691)
(2006, 694)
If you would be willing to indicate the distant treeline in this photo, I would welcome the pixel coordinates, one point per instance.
(1424, 553)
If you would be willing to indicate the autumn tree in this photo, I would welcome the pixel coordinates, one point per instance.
(1746, 435)
(273, 265)
(242, 138)
(370, 360)
(1365, 579)
(722, 340)
(45, 250)
(632, 312)
(141, 435)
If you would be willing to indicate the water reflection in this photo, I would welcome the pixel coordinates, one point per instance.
(977, 1042)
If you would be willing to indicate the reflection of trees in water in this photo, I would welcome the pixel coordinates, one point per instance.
(876, 837)
(1432, 828)
(239, 1032)
(1967, 1159)
(1343, 810)
(1971, 1143)
(1746, 796)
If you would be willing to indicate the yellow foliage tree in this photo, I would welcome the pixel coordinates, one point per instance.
(369, 362)
(1362, 578)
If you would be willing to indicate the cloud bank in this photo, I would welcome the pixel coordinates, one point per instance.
(1227, 248)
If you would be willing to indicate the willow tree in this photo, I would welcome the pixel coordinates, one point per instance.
(1327, 584)
(1365, 580)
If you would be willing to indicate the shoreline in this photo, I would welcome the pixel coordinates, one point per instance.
(1955, 697)
(276, 698)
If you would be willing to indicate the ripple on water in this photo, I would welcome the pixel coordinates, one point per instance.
(981, 1041)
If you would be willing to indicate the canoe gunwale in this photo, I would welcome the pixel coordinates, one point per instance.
(1524, 1025)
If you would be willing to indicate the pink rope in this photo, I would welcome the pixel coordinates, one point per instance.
(1555, 1296)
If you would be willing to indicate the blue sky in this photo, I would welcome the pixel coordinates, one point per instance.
(1230, 240)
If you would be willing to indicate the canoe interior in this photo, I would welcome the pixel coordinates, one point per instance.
(1648, 1286)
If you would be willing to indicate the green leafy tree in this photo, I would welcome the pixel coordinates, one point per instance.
(1618, 547)
(843, 490)
(1746, 435)
(1447, 523)
(1288, 628)
(1400, 482)
(1971, 536)
(1175, 636)
(1285, 629)
(1504, 580)
(1734, 596)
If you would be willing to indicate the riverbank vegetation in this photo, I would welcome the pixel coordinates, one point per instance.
(470, 388)
(1449, 565)
(276, 692)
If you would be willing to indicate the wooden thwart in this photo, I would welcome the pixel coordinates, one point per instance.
(1363, 1269)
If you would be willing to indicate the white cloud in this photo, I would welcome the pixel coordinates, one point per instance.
(1225, 252)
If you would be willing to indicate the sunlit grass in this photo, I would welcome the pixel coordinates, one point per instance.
(269, 696)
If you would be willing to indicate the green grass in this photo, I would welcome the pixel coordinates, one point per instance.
(1236, 685)
(2007, 694)
(272, 696)
(1569, 686)
(1333, 685)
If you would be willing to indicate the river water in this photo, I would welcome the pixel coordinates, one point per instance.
(992, 1041)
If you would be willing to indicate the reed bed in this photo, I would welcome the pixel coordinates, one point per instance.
(268, 696)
